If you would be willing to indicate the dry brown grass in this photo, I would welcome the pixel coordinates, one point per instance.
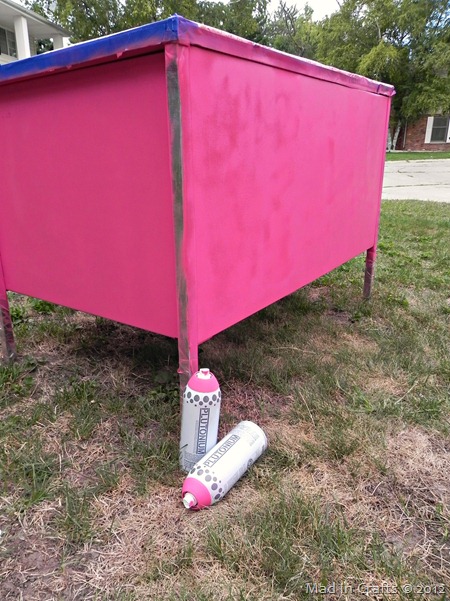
(355, 413)
(408, 507)
(139, 541)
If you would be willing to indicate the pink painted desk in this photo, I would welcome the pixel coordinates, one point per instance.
(179, 179)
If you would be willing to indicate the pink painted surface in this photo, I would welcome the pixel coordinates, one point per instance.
(282, 182)
(282, 163)
(227, 43)
(86, 217)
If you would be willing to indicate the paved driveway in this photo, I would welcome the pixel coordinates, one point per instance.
(418, 180)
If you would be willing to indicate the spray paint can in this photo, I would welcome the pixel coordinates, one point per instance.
(199, 418)
(219, 470)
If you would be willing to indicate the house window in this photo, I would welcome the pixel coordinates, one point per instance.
(8, 42)
(438, 130)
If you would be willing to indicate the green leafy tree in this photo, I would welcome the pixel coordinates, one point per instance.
(402, 42)
(246, 18)
(86, 19)
(294, 31)
(140, 12)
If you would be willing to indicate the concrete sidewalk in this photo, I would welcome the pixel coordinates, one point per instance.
(418, 180)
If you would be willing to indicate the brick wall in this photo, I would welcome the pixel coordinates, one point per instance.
(415, 138)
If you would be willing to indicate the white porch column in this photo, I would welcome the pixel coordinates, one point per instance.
(22, 39)
(58, 42)
(429, 130)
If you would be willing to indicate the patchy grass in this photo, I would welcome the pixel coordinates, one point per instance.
(352, 493)
(415, 156)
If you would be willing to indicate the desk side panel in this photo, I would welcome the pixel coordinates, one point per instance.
(283, 177)
(86, 214)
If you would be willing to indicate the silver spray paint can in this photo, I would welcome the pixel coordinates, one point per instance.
(199, 418)
(212, 477)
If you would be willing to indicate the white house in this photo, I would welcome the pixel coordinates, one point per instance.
(21, 28)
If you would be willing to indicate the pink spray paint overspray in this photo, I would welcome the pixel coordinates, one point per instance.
(220, 469)
(200, 418)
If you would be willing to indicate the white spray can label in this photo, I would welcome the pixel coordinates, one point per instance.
(199, 418)
(212, 477)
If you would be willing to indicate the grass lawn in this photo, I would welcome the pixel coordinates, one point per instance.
(416, 156)
(354, 488)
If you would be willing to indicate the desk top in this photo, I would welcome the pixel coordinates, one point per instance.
(154, 36)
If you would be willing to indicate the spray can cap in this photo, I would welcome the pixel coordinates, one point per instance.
(204, 374)
(203, 381)
(189, 501)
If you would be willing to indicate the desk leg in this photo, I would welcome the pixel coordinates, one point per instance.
(177, 87)
(370, 271)
(187, 361)
(7, 344)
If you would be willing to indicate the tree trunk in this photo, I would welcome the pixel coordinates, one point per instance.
(396, 134)
(389, 140)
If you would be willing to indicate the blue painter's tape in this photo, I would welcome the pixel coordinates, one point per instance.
(140, 38)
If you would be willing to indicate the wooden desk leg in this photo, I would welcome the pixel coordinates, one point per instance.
(370, 271)
(7, 344)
